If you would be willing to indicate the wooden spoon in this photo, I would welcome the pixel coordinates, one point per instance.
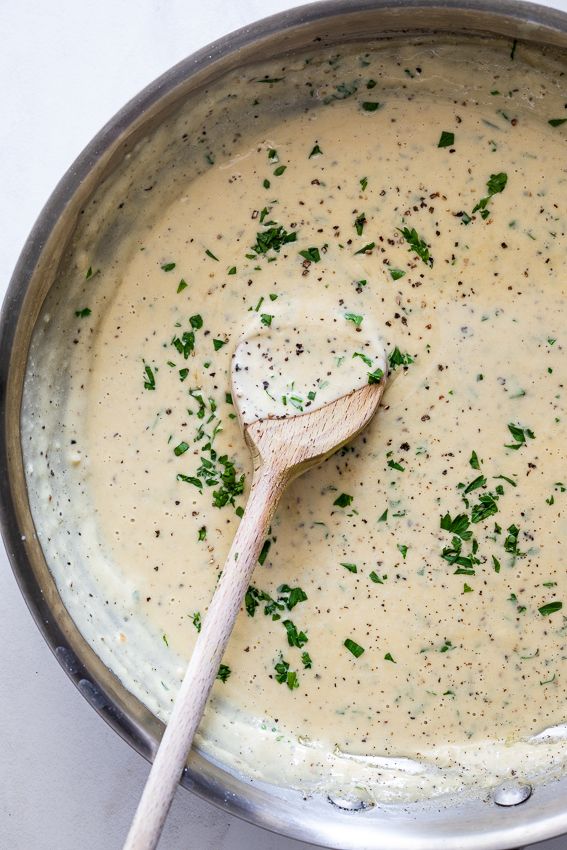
(281, 449)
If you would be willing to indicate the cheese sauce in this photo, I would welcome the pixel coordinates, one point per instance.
(405, 632)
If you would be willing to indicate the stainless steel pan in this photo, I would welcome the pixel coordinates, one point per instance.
(485, 823)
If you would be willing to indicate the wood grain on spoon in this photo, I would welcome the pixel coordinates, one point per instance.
(281, 449)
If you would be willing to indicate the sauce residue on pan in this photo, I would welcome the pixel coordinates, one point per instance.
(405, 631)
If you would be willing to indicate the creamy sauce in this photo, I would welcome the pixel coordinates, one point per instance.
(406, 195)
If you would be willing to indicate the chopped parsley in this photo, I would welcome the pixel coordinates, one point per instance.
(272, 239)
(224, 673)
(396, 274)
(550, 608)
(294, 638)
(496, 184)
(520, 435)
(284, 675)
(447, 139)
(82, 314)
(343, 501)
(416, 244)
(264, 552)
(359, 223)
(354, 647)
(168, 267)
(149, 380)
(311, 254)
(397, 358)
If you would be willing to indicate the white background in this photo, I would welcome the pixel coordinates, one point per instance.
(67, 782)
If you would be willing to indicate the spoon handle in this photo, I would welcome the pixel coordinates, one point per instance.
(267, 487)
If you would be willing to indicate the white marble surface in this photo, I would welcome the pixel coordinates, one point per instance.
(67, 781)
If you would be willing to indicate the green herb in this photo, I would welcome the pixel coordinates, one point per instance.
(513, 49)
(370, 105)
(264, 552)
(496, 564)
(231, 484)
(484, 508)
(294, 638)
(150, 381)
(459, 525)
(363, 183)
(557, 122)
(190, 479)
(311, 254)
(343, 501)
(269, 80)
(266, 319)
(286, 676)
(511, 541)
(376, 376)
(403, 549)
(266, 184)
(182, 285)
(350, 567)
(224, 673)
(396, 358)
(353, 647)
(82, 314)
(168, 267)
(211, 255)
(365, 248)
(396, 273)
(315, 151)
(202, 534)
(384, 516)
(184, 344)
(519, 435)
(395, 465)
(180, 449)
(550, 608)
(196, 322)
(416, 244)
(306, 660)
(291, 596)
(447, 139)
(376, 578)
(272, 239)
(467, 588)
(342, 91)
(279, 170)
(354, 318)
(196, 619)
(388, 657)
(218, 344)
(359, 223)
(496, 183)
(363, 357)
(474, 461)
